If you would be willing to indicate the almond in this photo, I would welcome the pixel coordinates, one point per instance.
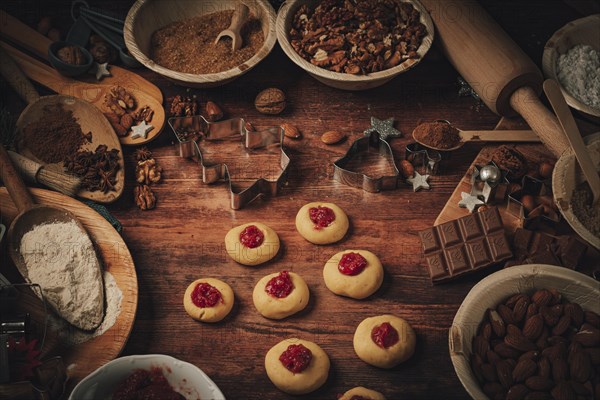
(531, 355)
(291, 131)
(486, 331)
(493, 357)
(332, 137)
(249, 127)
(588, 336)
(575, 312)
(517, 392)
(524, 369)
(528, 202)
(493, 389)
(498, 325)
(538, 396)
(504, 369)
(506, 351)
(126, 121)
(561, 327)
(563, 391)
(560, 369)
(514, 299)
(213, 111)
(489, 372)
(533, 327)
(557, 351)
(506, 314)
(550, 317)
(544, 367)
(594, 353)
(520, 309)
(480, 346)
(531, 310)
(582, 389)
(519, 342)
(592, 318)
(542, 297)
(476, 363)
(407, 169)
(539, 383)
(580, 367)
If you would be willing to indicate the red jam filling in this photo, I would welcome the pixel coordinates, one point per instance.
(251, 237)
(322, 217)
(280, 286)
(296, 358)
(205, 295)
(352, 264)
(142, 384)
(385, 335)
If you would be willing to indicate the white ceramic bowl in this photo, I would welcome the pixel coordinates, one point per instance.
(496, 288)
(184, 377)
(581, 31)
(342, 80)
(146, 16)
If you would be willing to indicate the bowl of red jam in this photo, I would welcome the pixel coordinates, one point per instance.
(153, 376)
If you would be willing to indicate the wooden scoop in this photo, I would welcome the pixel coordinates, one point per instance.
(240, 13)
(482, 136)
(29, 216)
(569, 126)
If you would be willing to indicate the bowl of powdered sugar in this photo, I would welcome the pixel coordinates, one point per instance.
(572, 57)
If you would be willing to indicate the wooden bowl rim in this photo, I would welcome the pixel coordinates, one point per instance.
(223, 76)
(284, 16)
(550, 56)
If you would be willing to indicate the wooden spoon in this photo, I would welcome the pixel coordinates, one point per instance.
(567, 122)
(31, 215)
(89, 117)
(481, 136)
(240, 13)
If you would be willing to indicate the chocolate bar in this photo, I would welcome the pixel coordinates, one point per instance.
(541, 248)
(462, 246)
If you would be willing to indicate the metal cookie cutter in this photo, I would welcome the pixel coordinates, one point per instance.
(231, 129)
(423, 158)
(375, 142)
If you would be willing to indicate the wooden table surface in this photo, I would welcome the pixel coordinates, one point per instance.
(182, 239)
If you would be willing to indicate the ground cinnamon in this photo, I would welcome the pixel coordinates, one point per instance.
(438, 135)
(55, 136)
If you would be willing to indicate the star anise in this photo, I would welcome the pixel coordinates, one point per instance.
(142, 154)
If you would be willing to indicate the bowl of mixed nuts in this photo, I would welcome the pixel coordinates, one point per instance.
(354, 45)
(177, 39)
(530, 331)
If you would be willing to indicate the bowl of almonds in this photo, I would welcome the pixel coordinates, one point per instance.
(531, 331)
(354, 45)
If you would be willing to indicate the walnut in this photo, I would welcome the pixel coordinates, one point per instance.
(71, 55)
(144, 197)
(183, 106)
(119, 101)
(147, 172)
(144, 114)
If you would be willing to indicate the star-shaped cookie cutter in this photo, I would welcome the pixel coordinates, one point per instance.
(534, 187)
(428, 159)
(374, 140)
(227, 130)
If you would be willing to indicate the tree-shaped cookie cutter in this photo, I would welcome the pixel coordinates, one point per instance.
(373, 141)
(230, 129)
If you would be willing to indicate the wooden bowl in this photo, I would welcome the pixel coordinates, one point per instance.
(581, 31)
(496, 288)
(342, 80)
(146, 16)
(566, 177)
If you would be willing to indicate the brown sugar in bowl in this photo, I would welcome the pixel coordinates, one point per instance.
(147, 16)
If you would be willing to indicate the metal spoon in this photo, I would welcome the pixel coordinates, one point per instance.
(240, 13)
(567, 122)
(480, 136)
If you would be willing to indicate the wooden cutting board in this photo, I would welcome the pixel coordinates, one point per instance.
(536, 152)
(23, 35)
(116, 259)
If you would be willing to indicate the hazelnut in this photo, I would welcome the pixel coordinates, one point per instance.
(407, 169)
(44, 25)
(545, 170)
(53, 34)
(71, 55)
(528, 202)
(213, 111)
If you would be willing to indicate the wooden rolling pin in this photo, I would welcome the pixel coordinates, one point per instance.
(500, 72)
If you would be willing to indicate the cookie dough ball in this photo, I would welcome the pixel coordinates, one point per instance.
(384, 341)
(362, 393)
(252, 244)
(297, 366)
(208, 300)
(280, 295)
(353, 273)
(322, 223)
